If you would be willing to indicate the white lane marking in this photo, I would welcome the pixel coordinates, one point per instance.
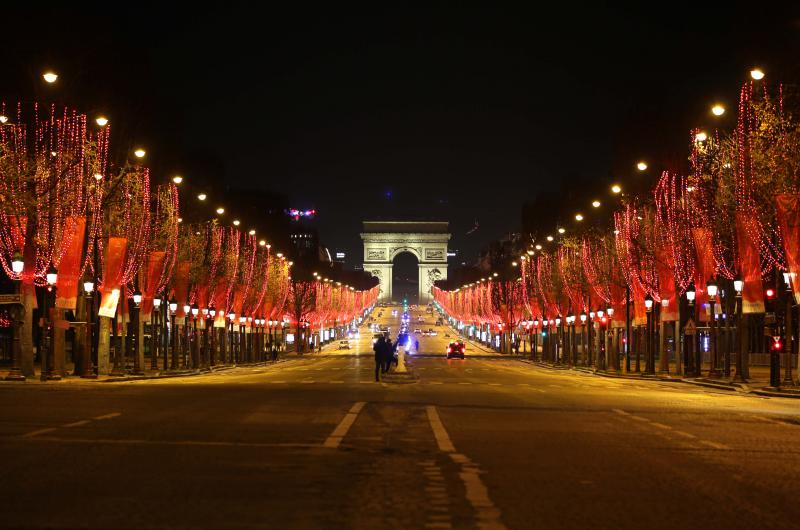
(107, 416)
(464, 383)
(336, 381)
(439, 432)
(494, 384)
(639, 418)
(620, 411)
(476, 492)
(661, 426)
(37, 433)
(340, 431)
(715, 445)
(435, 383)
(76, 423)
(685, 434)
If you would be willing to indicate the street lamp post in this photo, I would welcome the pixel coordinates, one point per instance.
(697, 359)
(590, 341)
(187, 342)
(232, 353)
(213, 342)
(788, 378)
(173, 308)
(48, 357)
(650, 368)
(738, 286)
(137, 362)
(613, 354)
(711, 287)
(17, 313)
(87, 368)
(195, 342)
(155, 332)
(583, 336)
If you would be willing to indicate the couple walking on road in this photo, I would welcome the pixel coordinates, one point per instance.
(384, 355)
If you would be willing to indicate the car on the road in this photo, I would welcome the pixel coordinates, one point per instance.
(417, 331)
(456, 349)
(344, 344)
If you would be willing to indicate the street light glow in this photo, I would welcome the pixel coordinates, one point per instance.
(3, 118)
(201, 197)
(596, 204)
(252, 232)
(757, 74)
(177, 179)
(262, 243)
(52, 77)
(139, 153)
(700, 137)
(549, 238)
(642, 165)
(717, 110)
(538, 247)
(101, 121)
(236, 222)
(220, 210)
(562, 230)
(98, 176)
(578, 217)
(616, 189)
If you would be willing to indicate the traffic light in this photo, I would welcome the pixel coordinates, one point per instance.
(770, 298)
(777, 344)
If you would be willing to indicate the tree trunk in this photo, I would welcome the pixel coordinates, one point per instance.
(103, 346)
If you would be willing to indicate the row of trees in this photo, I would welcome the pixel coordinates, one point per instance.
(732, 218)
(71, 210)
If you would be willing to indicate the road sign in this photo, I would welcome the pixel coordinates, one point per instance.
(10, 298)
(690, 328)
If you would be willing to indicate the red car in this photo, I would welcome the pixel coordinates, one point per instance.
(456, 349)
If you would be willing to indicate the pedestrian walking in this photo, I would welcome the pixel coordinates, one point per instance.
(380, 350)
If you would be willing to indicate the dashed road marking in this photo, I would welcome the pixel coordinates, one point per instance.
(340, 431)
(439, 432)
(38, 432)
(715, 445)
(108, 416)
(76, 423)
(685, 434)
(476, 492)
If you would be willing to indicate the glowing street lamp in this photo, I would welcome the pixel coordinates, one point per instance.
(17, 263)
(578, 217)
(616, 189)
(717, 110)
(52, 77)
(177, 179)
(596, 204)
(641, 165)
(220, 211)
(139, 153)
(101, 121)
(202, 197)
(757, 74)
(700, 137)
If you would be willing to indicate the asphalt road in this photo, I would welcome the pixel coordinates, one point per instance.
(487, 442)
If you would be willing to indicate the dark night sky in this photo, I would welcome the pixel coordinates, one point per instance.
(461, 114)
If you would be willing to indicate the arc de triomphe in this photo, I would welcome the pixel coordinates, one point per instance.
(427, 240)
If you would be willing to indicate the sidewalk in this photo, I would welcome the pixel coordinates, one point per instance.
(757, 383)
(144, 375)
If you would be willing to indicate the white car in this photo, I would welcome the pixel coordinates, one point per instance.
(344, 344)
